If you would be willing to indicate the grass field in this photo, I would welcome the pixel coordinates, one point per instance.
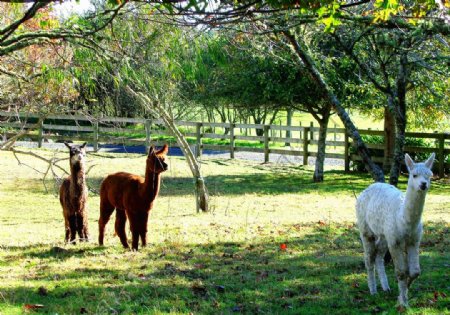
(231, 260)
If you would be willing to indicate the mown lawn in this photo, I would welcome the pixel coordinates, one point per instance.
(231, 260)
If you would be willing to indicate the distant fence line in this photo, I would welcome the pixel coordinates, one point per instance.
(301, 140)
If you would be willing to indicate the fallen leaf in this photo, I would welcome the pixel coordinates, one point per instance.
(436, 296)
(32, 307)
(283, 247)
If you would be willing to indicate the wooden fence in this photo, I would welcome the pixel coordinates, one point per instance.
(299, 141)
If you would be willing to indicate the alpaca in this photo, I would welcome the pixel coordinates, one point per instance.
(389, 220)
(132, 196)
(73, 195)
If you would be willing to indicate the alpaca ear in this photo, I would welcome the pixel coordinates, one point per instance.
(409, 162)
(67, 144)
(164, 150)
(151, 151)
(83, 145)
(429, 162)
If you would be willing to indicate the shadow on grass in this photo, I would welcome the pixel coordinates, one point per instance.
(321, 271)
(273, 180)
(261, 183)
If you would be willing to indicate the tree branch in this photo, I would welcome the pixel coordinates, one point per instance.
(7, 31)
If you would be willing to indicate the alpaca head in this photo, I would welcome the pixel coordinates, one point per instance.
(419, 173)
(156, 159)
(77, 153)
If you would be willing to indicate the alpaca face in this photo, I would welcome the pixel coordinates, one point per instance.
(419, 173)
(156, 160)
(77, 153)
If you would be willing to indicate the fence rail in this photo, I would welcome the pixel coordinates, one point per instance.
(300, 141)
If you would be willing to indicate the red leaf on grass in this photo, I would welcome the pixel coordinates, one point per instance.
(32, 307)
(283, 246)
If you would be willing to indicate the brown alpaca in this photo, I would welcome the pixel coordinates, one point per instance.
(73, 195)
(132, 196)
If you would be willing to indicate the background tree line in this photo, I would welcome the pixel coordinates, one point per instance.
(236, 62)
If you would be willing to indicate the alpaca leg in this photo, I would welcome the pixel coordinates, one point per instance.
(121, 220)
(413, 263)
(379, 262)
(80, 226)
(135, 239)
(401, 271)
(73, 228)
(66, 228)
(106, 209)
(85, 231)
(143, 230)
(134, 227)
(67, 234)
(369, 260)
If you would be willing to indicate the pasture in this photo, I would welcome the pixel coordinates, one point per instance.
(273, 243)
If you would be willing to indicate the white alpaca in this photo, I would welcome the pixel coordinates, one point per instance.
(389, 220)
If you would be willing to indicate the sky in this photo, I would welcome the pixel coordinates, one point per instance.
(67, 7)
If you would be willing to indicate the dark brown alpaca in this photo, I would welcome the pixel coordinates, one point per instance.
(132, 197)
(73, 195)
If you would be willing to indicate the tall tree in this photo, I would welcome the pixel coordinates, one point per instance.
(395, 61)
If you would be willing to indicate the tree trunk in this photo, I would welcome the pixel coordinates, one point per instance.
(399, 102)
(300, 50)
(321, 146)
(154, 107)
(389, 138)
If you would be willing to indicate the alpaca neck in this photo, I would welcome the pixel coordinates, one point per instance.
(413, 206)
(151, 186)
(77, 175)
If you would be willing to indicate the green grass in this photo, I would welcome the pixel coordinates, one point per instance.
(227, 261)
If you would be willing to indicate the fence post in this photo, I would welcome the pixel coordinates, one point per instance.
(441, 155)
(311, 124)
(266, 143)
(289, 124)
(40, 133)
(305, 145)
(346, 152)
(148, 138)
(95, 140)
(335, 136)
(232, 126)
(198, 127)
